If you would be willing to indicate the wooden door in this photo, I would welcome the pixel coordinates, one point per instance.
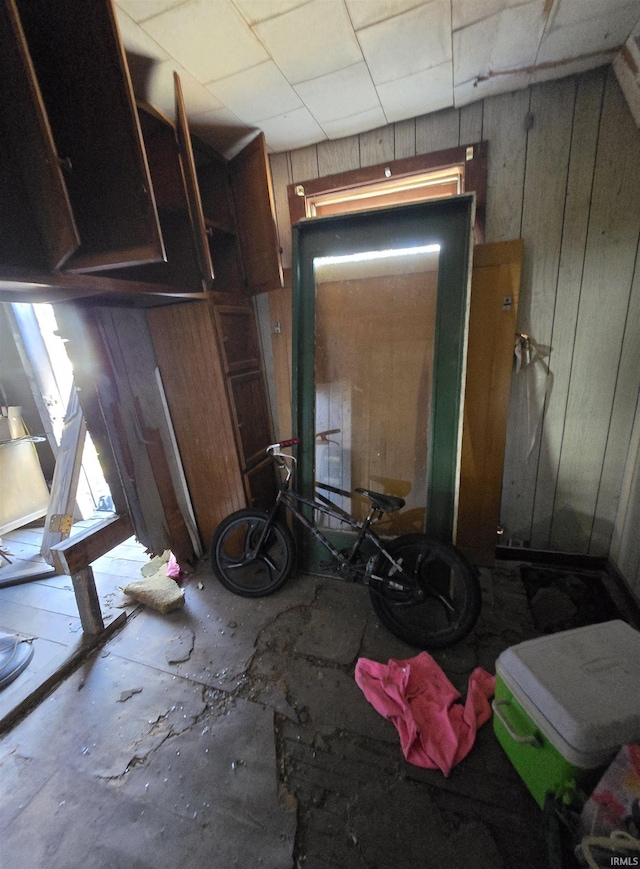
(82, 74)
(253, 199)
(38, 229)
(495, 288)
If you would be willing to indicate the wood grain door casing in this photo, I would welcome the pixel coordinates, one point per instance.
(495, 290)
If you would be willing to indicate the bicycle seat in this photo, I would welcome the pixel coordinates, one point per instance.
(386, 503)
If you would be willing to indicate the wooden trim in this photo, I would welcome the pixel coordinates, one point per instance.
(192, 191)
(78, 552)
(26, 285)
(475, 178)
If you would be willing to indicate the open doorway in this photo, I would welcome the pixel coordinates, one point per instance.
(53, 484)
(49, 371)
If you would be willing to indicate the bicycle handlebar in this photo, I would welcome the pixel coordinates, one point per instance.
(282, 444)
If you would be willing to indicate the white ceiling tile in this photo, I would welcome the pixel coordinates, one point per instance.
(255, 11)
(256, 93)
(472, 50)
(292, 130)
(136, 40)
(583, 37)
(141, 9)
(311, 41)
(366, 12)
(466, 12)
(408, 43)
(417, 94)
(517, 36)
(571, 11)
(360, 123)
(210, 39)
(339, 94)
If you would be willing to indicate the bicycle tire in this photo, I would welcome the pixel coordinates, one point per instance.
(452, 600)
(268, 570)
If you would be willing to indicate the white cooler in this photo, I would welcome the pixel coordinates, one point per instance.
(566, 702)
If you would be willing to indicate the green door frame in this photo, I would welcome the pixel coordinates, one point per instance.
(446, 222)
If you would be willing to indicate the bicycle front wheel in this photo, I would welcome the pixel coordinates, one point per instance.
(451, 600)
(244, 567)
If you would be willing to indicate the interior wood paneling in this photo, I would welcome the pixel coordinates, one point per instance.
(593, 424)
(584, 137)
(548, 147)
(185, 341)
(376, 146)
(438, 131)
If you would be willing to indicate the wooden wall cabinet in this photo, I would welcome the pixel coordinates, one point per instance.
(101, 199)
(187, 267)
(102, 203)
(65, 87)
(239, 214)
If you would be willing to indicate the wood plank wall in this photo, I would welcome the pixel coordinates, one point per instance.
(564, 174)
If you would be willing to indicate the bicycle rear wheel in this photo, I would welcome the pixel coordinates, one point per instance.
(241, 567)
(452, 598)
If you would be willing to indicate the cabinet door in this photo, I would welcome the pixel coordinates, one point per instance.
(238, 338)
(191, 186)
(38, 229)
(213, 183)
(81, 70)
(253, 200)
(251, 416)
(260, 485)
(181, 273)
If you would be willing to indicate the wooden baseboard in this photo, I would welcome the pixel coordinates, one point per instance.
(553, 559)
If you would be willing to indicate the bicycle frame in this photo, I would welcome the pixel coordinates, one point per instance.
(347, 563)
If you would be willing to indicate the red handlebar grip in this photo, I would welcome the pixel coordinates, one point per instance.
(290, 443)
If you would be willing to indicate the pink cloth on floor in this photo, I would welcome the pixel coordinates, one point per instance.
(436, 732)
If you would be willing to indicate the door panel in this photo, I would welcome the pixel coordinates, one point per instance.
(253, 198)
(191, 187)
(495, 289)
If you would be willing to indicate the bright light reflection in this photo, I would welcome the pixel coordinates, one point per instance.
(375, 254)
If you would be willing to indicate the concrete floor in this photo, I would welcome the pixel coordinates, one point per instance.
(231, 733)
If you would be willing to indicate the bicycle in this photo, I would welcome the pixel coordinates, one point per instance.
(423, 591)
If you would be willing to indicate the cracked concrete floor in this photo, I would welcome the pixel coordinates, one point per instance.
(231, 733)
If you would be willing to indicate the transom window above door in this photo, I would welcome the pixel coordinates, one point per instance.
(437, 175)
